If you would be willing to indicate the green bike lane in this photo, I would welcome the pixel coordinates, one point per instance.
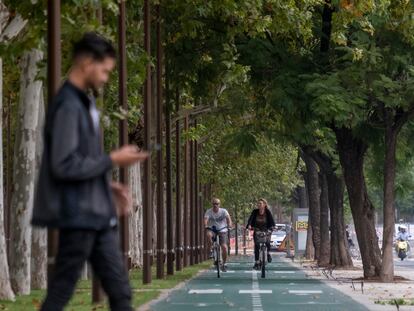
(241, 288)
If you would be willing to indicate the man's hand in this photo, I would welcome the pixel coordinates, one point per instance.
(127, 155)
(123, 198)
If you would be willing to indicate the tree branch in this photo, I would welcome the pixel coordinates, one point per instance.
(13, 28)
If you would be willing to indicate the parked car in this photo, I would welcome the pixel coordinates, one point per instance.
(278, 236)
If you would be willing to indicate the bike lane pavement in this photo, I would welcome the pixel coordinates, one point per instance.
(241, 288)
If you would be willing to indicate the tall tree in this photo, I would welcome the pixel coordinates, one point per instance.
(312, 185)
(325, 250)
(38, 265)
(24, 172)
(5, 286)
(10, 27)
(135, 221)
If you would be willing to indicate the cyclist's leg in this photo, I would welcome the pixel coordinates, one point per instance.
(210, 235)
(256, 252)
(269, 257)
(223, 243)
(256, 249)
(209, 238)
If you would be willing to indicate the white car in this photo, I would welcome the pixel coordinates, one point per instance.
(277, 238)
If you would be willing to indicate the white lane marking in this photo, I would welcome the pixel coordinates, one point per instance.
(233, 263)
(305, 292)
(283, 272)
(228, 271)
(205, 291)
(251, 271)
(255, 291)
(310, 303)
(197, 304)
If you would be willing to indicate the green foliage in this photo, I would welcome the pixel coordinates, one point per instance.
(258, 65)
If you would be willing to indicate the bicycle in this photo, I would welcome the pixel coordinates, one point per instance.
(262, 237)
(216, 247)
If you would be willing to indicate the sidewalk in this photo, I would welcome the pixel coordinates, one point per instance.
(374, 295)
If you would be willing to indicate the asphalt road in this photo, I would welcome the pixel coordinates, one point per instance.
(284, 288)
(408, 263)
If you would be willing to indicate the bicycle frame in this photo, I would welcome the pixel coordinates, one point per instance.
(216, 247)
(262, 238)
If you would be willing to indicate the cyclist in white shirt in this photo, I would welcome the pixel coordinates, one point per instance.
(220, 219)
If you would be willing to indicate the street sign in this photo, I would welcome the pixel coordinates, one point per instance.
(300, 221)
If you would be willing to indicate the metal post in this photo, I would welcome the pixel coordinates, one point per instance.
(54, 76)
(186, 207)
(160, 179)
(288, 235)
(244, 232)
(170, 232)
(202, 233)
(192, 227)
(178, 215)
(123, 124)
(147, 212)
(196, 202)
(200, 222)
(97, 291)
(236, 233)
(229, 247)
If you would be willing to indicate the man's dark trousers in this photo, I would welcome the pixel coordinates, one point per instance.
(101, 249)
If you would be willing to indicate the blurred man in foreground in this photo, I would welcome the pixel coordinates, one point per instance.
(74, 192)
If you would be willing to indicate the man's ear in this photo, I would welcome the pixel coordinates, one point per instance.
(85, 62)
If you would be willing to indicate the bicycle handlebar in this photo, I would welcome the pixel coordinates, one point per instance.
(260, 230)
(215, 230)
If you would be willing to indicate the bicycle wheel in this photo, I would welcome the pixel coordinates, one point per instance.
(263, 255)
(218, 259)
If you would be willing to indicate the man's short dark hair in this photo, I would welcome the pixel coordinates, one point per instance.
(93, 45)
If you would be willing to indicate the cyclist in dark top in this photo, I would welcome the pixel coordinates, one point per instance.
(261, 219)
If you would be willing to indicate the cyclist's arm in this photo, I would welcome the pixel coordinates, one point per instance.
(229, 222)
(206, 222)
(249, 222)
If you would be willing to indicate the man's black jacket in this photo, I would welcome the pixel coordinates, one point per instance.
(73, 190)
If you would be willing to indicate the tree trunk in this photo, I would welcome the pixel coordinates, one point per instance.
(302, 197)
(24, 173)
(135, 221)
(340, 256)
(8, 29)
(351, 153)
(39, 259)
(310, 249)
(387, 267)
(312, 185)
(325, 250)
(39, 236)
(304, 203)
(5, 287)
